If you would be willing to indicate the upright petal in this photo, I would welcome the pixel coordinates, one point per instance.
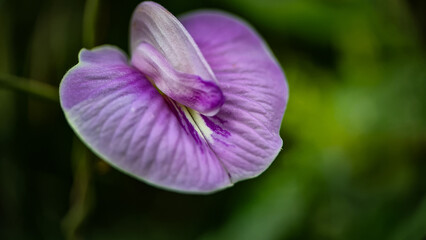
(119, 114)
(245, 133)
(153, 24)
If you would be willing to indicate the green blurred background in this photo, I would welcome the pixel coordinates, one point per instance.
(353, 164)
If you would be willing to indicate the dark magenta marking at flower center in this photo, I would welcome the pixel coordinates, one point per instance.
(214, 127)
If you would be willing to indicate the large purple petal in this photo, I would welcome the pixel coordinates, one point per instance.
(118, 113)
(245, 133)
(154, 25)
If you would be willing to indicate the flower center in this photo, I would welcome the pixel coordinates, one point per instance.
(202, 95)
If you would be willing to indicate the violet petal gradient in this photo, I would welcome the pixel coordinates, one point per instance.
(245, 133)
(187, 89)
(120, 115)
(153, 24)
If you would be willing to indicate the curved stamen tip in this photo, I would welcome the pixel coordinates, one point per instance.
(190, 90)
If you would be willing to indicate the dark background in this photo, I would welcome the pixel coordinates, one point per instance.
(353, 164)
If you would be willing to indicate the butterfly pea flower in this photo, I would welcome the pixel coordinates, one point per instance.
(196, 108)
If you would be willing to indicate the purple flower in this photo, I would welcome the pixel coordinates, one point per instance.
(198, 107)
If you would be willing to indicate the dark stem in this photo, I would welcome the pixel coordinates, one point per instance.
(29, 86)
(89, 23)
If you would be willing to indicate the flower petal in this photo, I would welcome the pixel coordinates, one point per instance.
(187, 89)
(118, 113)
(153, 24)
(245, 133)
